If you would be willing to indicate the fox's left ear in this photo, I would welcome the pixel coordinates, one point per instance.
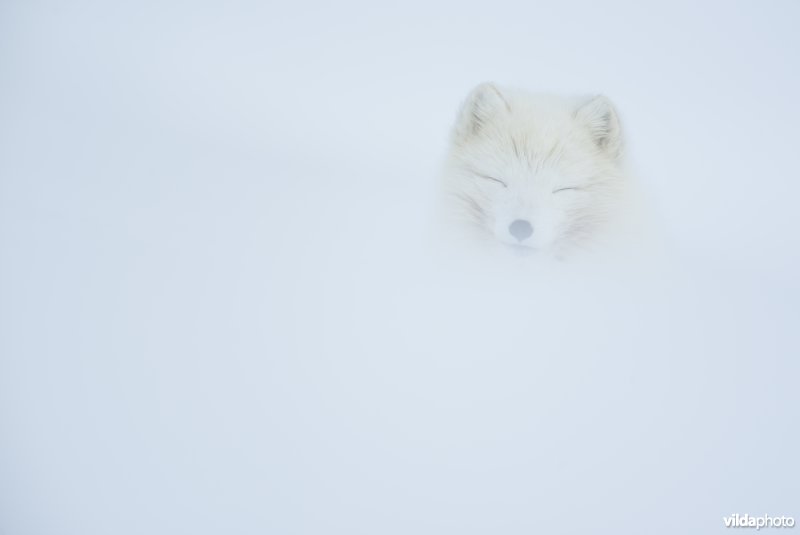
(600, 117)
(484, 103)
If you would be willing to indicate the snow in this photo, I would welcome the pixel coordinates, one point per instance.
(222, 308)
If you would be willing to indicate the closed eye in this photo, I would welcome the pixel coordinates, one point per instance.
(569, 188)
(493, 179)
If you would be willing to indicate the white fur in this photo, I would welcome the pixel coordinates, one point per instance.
(553, 162)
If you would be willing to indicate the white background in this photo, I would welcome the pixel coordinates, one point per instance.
(221, 310)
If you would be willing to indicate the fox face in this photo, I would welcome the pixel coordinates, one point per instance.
(535, 172)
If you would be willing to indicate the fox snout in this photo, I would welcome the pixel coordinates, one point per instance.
(521, 229)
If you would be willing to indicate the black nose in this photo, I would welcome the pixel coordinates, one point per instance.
(520, 229)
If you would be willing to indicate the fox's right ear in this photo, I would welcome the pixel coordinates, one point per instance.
(600, 117)
(482, 104)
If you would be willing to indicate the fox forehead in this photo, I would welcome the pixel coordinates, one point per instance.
(522, 157)
(530, 142)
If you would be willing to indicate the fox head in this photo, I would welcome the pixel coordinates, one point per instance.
(536, 172)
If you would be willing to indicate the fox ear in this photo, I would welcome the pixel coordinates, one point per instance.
(482, 104)
(600, 117)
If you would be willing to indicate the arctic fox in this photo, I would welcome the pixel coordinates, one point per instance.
(537, 172)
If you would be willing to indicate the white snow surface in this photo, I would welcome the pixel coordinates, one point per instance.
(224, 308)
